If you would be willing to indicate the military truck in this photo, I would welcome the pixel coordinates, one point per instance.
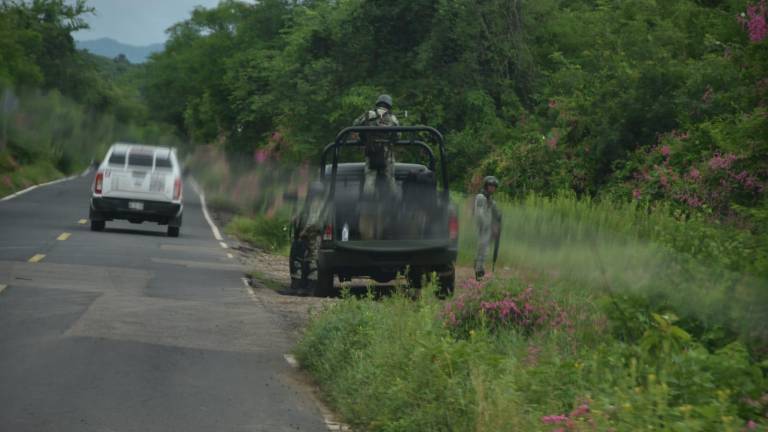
(416, 232)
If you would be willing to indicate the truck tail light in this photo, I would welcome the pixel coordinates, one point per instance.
(453, 227)
(98, 183)
(177, 188)
(328, 232)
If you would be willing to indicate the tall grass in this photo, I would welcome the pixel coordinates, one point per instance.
(710, 273)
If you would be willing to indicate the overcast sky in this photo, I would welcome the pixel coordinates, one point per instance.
(137, 22)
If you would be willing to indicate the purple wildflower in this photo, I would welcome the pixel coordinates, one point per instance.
(554, 419)
(723, 162)
(755, 22)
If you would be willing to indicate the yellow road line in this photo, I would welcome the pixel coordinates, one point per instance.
(37, 258)
(82, 221)
(2, 288)
(63, 236)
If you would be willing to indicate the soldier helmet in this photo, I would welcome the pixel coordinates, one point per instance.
(384, 100)
(490, 180)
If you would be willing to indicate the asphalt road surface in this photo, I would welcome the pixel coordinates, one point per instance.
(131, 330)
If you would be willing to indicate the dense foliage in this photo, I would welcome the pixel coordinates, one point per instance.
(61, 107)
(548, 94)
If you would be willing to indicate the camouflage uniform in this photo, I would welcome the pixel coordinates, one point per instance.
(486, 216)
(379, 156)
(305, 261)
(379, 159)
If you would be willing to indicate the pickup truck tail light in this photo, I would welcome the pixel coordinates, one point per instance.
(453, 227)
(328, 232)
(98, 183)
(177, 188)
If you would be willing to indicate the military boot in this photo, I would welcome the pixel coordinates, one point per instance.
(479, 274)
(296, 285)
(310, 288)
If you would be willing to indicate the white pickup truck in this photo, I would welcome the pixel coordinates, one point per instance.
(138, 183)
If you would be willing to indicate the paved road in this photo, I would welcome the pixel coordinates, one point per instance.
(130, 330)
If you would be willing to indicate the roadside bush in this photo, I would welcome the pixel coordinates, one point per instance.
(525, 310)
(267, 233)
(400, 365)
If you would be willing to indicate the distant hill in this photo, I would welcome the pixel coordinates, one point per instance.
(111, 48)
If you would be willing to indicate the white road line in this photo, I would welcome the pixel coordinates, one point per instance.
(224, 245)
(199, 192)
(2, 288)
(229, 255)
(248, 289)
(22, 192)
(87, 170)
(328, 418)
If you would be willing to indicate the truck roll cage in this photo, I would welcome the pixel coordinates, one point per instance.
(411, 132)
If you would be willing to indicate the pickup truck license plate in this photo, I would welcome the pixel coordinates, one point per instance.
(135, 205)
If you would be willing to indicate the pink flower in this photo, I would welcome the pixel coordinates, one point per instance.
(552, 103)
(261, 155)
(719, 161)
(554, 419)
(663, 180)
(664, 150)
(582, 410)
(755, 22)
(751, 425)
(694, 201)
(694, 174)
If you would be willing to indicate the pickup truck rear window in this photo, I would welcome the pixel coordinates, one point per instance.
(117, 159)
(162, 162)
(140, 159)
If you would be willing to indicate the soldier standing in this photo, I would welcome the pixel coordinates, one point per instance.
(487, 218)
(304, 279)
(379, 159)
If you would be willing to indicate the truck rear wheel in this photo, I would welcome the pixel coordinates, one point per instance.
(173, 231)
(98, 225)
(414, 278)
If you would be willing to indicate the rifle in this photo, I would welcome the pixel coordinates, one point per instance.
(497, 240)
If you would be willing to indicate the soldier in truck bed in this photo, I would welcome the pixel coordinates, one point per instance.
(379, 160)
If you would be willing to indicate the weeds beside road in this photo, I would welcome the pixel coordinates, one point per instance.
(514, 357)
(613, 318)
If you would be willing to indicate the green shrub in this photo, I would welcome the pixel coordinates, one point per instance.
(398, 365)
(270, 234)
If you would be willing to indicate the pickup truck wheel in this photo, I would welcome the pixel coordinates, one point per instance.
(324, 287)
(414, 278)
(97, 225)
(173, 231)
